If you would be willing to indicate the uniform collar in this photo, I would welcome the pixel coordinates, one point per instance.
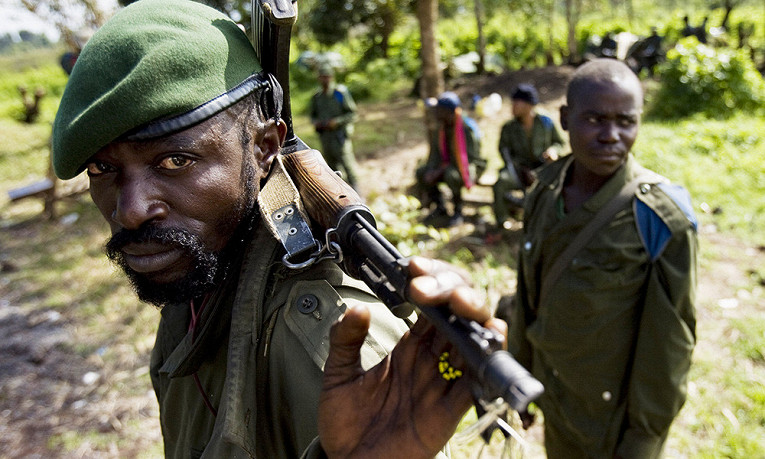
(608, 190)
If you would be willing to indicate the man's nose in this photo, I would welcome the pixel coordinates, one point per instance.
(138, 203)
(609, 132)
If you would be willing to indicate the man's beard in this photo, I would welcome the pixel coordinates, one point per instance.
(209, 268)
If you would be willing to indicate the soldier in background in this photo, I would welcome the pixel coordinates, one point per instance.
(454, 159)
(526, 142)
(333, 112)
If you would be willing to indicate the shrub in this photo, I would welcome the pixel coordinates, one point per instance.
(49, 78)
(716, 82)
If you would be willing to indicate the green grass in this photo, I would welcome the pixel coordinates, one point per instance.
(719, 162)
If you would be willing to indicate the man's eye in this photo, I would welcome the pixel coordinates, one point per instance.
(592, 119)
(97, 168)
(627, 122)
(175, 162)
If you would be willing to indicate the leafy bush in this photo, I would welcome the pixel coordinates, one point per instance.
(716, 82)
(51, 78)
(379, 80)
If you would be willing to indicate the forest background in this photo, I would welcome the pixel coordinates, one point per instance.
(73, 379)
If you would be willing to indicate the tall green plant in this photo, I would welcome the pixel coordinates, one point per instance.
(716, 82)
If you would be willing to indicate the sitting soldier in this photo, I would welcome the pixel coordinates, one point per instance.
(455, 148)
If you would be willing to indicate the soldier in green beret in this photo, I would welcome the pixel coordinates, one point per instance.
(333, 112)
(170, 115)
(604, 313)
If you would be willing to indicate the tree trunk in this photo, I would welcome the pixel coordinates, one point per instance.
(479, 17)
(551, 35)
(432, 82)
(573, 8)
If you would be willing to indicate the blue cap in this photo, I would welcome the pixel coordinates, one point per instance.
(448, 99)
(527, 93)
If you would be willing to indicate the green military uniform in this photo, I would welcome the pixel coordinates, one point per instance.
(612, 343)
(336, 105)
(523, 152)
(451, 175)
(258, 354)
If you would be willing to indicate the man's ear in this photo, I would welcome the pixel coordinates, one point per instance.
(270, 143)
(564, 117)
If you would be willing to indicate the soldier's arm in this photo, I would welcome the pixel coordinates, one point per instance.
(349, 113)
(666, 337)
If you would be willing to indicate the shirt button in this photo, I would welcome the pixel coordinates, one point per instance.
(606, 396)
(645, 188)
(307, 303)
(555, 372)
(527, 246)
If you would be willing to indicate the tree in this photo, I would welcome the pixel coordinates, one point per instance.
(432, 82)
(728, 5)
(573, 11)
(479, 16)
(57, 13)
(331, 21)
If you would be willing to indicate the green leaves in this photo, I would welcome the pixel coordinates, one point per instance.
(715, 82)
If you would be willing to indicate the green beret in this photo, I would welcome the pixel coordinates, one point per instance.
(154, 60)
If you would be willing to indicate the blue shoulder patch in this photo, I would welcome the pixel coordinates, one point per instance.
(339, 97)
(682, 198)
(546, 122)
(654, 233)
(470, 122)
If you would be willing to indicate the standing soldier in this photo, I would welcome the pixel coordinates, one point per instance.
(333, 112)
(605, 312)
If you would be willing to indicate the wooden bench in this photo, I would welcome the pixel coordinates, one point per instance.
(50, 190)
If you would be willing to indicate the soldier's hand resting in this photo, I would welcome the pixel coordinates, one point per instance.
(402, 407)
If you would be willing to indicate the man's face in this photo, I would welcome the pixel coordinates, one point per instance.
(521, 108)
(174, 203)
(602, 120)
(325, 81)
(446, 115)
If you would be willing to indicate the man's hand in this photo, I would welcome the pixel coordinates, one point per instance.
(550, 155)
(527, 418)
(402, 407)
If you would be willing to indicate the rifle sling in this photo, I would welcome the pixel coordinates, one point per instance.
(284, 214)
(604, 215)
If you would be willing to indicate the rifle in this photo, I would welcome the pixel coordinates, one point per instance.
(352, 239)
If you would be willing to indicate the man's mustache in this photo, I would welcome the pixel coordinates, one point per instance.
(177, 237)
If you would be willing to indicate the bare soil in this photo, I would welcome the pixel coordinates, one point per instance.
(48, 388)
